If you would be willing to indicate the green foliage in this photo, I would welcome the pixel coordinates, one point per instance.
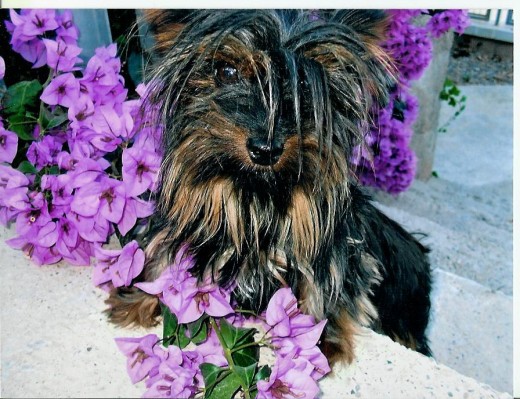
(453, 96)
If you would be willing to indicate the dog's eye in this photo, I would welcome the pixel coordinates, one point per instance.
(226, 74)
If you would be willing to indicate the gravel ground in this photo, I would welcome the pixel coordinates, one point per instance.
(479, 67)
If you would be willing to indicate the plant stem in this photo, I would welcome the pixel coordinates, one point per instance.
(227, 355)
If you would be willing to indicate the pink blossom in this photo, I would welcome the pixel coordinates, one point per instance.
(61, 56)
(62, 90)
(8, 145)
(185, 298)
(288, 379)
(141, 358)
(13, 193)
(119, 267)
(140, 170)
(2, 68)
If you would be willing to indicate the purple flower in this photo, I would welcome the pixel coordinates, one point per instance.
(122, 266)
(134, 208)
(80, 112)
(86, 170)
(175, 377)
(62, 90)
(67, 31)
(2, 68)
(61, 56)
(141, 358)
(91, 229)
(13, 193)
(140, 170)
(211, 350)
(8, 145)
(43, 153)
(39, 21)
(288, 379)
(180, 291)
(28, 46)
(287, 326)
(38, 254)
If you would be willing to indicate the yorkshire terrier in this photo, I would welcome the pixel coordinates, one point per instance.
(261, 111)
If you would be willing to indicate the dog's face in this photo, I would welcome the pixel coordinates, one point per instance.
(261, 111)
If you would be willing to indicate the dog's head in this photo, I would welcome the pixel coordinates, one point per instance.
(261, 111)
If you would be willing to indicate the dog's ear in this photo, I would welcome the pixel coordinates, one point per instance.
(371, 25)
(165, 25)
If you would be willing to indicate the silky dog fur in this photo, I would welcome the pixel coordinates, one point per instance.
(261, 111)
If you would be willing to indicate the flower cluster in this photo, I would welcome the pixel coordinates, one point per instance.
(385, 160)
(84, 160)
(204, 338)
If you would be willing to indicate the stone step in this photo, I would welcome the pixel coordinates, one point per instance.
(471, 329)
(478, 251)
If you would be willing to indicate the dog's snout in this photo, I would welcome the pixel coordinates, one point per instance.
(264, 153)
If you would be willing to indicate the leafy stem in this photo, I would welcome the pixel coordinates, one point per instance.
(228, 355)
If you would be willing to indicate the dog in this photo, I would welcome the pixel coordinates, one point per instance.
(261, 112)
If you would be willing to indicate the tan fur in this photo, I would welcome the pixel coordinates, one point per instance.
(339, 348)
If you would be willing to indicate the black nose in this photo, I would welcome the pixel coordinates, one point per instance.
(263, 153)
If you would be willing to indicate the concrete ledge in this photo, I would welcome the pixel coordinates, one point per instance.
(57, 342)
(488, 31)
(384, 369)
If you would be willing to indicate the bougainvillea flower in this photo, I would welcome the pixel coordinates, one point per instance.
(61, 56)
(43, 152)
(140, 170)
(118, 266)
(2, 68)
(180, 291)
(87, 170)
(288, 380)
(134, 208)
(141, 358)
(38, 21)
(211, 350)
(67, 31)
(175, 377)
(128, 266)
(13, 193)
(8, 145)
(62, 90)
(172, 381)
(38, 254)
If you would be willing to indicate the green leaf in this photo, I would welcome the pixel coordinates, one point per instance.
(53, 170)
(263, 373)
(182, 340)
(198, 330)
(21, 95)
(248, 355)
(21, 126)
(27, 168)
(234, 336)
(211, 373)
(454, 91)
(227, 387)
(169, 322)
(57, 120)
(201, 335)
(246, 374)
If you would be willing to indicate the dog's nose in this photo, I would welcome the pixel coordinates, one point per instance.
(264, 153)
